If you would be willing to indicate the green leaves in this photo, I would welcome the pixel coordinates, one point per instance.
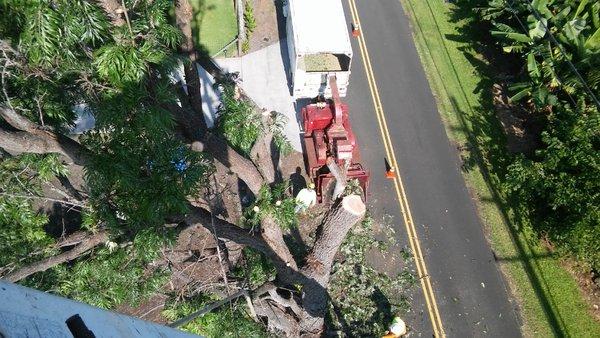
(120, 64)
(580, 8)
(55, 32)
(573, 28)
(241, 123)
(593, 42)
(537, 28)
(249, 20)
(109, 279)
(561, 186)
(229, 321)
(356, 289)
(541, 6)
(43, 34)
(140, 178)
(238, 121)
(23, 236)
(275, 201)
(169, 35)
(519, 37)
(532, 66)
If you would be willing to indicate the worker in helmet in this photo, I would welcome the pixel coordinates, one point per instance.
(306, 198)
(397, 329)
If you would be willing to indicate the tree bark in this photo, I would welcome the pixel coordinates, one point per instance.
(273, 236)
(184, 14)
(237, 163)
(113, 10)
(234, 233)
(344, 214)
(85, 245)
(279, 320)
(42, 142)
(218, 148)
(340, 177)
(262, 156)
(17, 121)
(226, 230)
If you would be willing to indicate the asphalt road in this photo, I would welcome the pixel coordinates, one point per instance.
(470, 292)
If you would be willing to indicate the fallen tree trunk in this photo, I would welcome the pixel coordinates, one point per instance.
(43, 265)
(344, 214)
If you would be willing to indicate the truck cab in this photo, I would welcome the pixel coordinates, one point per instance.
(318, 47)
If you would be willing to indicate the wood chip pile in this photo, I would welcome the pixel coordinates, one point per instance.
(321, 63)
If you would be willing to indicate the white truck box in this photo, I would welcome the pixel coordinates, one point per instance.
(318, 46)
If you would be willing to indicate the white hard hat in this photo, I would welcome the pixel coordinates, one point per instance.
(398, 327)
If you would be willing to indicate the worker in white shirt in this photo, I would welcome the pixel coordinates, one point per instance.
(397, 329)
(306, 198)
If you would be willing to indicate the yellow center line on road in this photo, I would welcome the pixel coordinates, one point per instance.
(413, 238)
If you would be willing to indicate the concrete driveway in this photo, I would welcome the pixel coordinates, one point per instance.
(264, 79)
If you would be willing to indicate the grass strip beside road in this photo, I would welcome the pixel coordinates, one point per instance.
(550, 300)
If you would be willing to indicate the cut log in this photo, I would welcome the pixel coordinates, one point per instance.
(339, 220)
(340, 177)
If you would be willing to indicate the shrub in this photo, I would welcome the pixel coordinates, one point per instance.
(249, 21)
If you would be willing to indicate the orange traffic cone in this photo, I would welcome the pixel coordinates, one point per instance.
(390, 173)
(355, 30)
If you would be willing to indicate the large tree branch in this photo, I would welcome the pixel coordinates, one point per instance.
(218, 148)
(262, 155)
(17, 121)
(273, 236)
(85, 245)
(243, 167)
(225, 230)
(42, 142)
(343, 215)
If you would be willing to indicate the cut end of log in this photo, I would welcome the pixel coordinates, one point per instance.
(354, 205)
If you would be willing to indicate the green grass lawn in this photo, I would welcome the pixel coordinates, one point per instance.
(549, 297)
(215, 24)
